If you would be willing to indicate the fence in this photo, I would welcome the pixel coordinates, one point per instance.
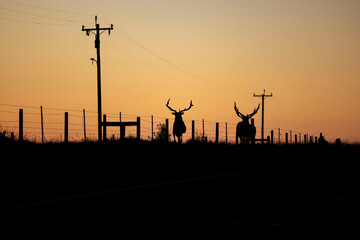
(40, 124)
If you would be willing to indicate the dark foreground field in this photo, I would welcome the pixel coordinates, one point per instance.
(192, 191)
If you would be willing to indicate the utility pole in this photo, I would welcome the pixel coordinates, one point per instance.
(263, 96)
(97, 30)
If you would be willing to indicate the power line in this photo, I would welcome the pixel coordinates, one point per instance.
(37, 23)
(49, 9)
(37, 15)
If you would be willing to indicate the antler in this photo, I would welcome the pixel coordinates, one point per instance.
(185, 109)
(167, 104)
(237, 111)
(254, 112)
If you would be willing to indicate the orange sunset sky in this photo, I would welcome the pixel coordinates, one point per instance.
(213, 52)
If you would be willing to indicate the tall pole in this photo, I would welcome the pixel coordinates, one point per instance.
(263, 96)
(97, 30)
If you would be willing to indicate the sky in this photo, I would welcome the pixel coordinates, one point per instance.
(213, 52)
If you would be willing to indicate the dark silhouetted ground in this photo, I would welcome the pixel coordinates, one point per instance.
(192, 191)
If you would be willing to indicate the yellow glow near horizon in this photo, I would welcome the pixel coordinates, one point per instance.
(307, 53)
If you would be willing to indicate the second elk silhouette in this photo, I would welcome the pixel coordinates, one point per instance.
(244, 130)
(179, 126)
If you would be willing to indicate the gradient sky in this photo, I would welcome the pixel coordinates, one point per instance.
(215, 52)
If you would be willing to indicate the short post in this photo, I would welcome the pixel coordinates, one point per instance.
(316, 140)
(311, 139)
(272, 137)
(192, 130)
(226, 133)
(268, 139)
(120, 125)
(21, 125)
(203, 135)
(217, 133)
(84, 125)
(42, 125)
(295, 138)
(290, 137)
(138, 128)
(286, 138)
(66, 123)
(253, 124)
(305, 138)
(104, 127)
(167, 128)
(152, 127)
(299, 138)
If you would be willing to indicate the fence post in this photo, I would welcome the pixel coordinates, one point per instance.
(84, 125)
(104, 127)
(305, 138)
(295, 139)
(290, 137)
(203, 135)
(152, 127)
(272, 137)
(286, 138)
(226, 133)
(167, 128)
(217, 133)
(21, 125)
(192, 130)
(66, 128)
(42, 125)
(138, 128)
(299, 138)
(316, 140)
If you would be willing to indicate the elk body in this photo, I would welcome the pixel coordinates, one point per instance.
(244, 130)
(179, 126)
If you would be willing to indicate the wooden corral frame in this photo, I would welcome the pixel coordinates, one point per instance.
(122, 126)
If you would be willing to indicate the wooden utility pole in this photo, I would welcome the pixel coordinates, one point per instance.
(263, 96)
(97, 30)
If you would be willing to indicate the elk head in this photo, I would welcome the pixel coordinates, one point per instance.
(180, 112)
(245, 118)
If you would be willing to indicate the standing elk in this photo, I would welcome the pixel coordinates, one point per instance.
(179, 126)
(244, 130)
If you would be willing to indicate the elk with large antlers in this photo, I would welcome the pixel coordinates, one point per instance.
(179, 126)
(244, 130)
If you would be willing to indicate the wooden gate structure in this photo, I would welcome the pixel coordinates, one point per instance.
(122, 126)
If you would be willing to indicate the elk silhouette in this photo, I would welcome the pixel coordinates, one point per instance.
(244, 130)
(179, 126)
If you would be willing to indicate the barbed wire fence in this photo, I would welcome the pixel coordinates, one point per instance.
(83, 124)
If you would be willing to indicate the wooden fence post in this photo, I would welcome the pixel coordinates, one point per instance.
(66, 123)
(203, 135)
(226, 133)
(272, 137)
(217, 133)
(295, 139)
(305, 138)
(138, 128)
(42, 125)
(286, 138)
(104, 127)
(167, 128)
(152, 127)
(316, 140)
(84, 125)
(21, 125)
(192, 130)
